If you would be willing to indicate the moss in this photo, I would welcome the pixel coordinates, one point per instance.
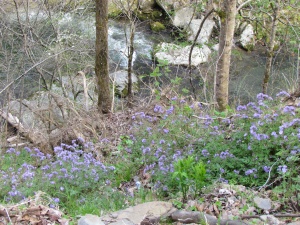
(157, 26)
(153, 15)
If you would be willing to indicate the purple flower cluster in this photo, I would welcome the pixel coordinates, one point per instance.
(70, 165)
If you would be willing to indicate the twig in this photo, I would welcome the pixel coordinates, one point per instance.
(8, 216)
(268, 176)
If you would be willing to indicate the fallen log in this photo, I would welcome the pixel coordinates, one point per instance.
(183, 216)
(34, 136)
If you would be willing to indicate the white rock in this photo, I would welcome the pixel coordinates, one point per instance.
(205, 32)
(247, 38)
(183, 16)
(90, 220)
(216, 47)
(263, 203)
(177, 55)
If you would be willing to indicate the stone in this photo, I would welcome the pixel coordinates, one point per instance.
(90, 220)
(263, 203)
(136, 214)
(183, 17)
(120, 81)
(247, 38)
(122, 222)
(205, 32)
(178, 55)
(146, 6)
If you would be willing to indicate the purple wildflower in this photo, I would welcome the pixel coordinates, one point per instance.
(283, 94)
(289, 110)
(266, 169)
(282, 169)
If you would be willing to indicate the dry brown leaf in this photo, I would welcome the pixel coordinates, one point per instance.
(216, 210)
(54, 215)
(200, 208)
(31, 219)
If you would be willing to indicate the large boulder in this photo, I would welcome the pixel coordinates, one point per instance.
(183, 16)
(247, 38)
(120, 82)
(205, 32)
(178, 55)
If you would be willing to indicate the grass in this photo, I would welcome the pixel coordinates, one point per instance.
(256, 145)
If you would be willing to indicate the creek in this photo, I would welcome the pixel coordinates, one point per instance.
(247, 68)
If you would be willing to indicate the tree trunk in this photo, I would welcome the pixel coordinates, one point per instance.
(271, 47)
(101, 64)
(130, 59)
(227, 16)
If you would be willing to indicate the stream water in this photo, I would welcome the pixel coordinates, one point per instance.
(247, 68)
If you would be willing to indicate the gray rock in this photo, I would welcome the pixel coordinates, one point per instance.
(90, 220)
(122, 222)
(270, 220)
(120, 81)
(263, 203)
(205, 32)
(183, 16)
(137, 213)
(247, 39)
(177, 55)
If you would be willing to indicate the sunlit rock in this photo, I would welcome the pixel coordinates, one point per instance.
(178, 55)
(247, 39)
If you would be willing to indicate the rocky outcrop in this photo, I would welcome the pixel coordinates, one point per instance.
(177, 55)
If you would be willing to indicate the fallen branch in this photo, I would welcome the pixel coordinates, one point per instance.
(200, 217)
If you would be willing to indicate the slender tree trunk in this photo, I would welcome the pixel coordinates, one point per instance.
(101, 64)
(130, 59)
(227, 16)
(271, 47)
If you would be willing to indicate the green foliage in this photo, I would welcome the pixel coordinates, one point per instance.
(240, 146)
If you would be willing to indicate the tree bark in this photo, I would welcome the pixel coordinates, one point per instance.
(101, 64)
(271, 47)
(227, 16)
(130, 59)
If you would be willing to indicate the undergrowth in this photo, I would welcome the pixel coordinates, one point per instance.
(175, 151)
